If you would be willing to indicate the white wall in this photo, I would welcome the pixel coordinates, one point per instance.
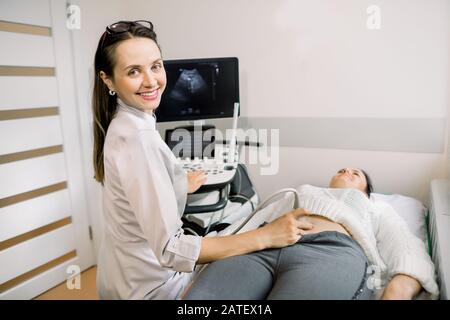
(307, 58)
(316, 58)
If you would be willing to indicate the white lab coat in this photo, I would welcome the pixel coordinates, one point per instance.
(144, 253)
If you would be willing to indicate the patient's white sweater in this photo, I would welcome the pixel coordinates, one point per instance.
(383, 235)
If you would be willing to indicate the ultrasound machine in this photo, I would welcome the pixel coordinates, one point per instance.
(198, 90)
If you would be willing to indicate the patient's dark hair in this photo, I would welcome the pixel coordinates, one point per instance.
(369, 186)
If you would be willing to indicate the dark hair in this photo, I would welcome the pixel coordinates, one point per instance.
(369, 186)
(104, 105)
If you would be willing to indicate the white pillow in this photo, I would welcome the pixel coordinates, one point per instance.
(411, 210)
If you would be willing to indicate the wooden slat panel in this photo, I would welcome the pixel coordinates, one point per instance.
(31, 214)
(33, 253)
(28, 113)
(37, 271)
(27, 175)
(23, 155)
(19, 71)
(36, 12)
(34, 233)
(17, 198)
(32, 287)
(33, 280)
(40, 92)
(26, 50)
(25, 28)
(30, 154)
(29, 134)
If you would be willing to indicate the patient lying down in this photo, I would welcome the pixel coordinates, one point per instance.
(353, 248)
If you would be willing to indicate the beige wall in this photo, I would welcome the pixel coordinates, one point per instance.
(317, 58)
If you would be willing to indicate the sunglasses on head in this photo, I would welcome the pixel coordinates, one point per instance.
(124, 26)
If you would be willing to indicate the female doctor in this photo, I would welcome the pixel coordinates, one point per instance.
(144, 253)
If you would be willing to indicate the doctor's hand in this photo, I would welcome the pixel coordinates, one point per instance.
(195, 180)
(286, 230)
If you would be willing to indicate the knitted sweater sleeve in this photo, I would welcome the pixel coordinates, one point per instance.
(402, 251)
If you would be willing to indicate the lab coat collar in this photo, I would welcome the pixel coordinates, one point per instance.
(150, 119)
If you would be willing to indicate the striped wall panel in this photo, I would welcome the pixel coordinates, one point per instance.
(24, 48)
(36, 229)
(30, 134)
(25, 92)
(20, 12)
(35, 252)
(34, 212)
(30, 174)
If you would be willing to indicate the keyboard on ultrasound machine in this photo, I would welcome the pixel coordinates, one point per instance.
(218, 171)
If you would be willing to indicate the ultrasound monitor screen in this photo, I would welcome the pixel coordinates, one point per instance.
(199, 89)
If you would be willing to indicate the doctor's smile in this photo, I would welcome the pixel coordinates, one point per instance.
(149, 95)
(139, 78)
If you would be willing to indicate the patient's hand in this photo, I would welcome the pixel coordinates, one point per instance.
(401, 287)
(195, 180)
(287, 229)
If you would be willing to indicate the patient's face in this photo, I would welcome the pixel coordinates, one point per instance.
(349, 178)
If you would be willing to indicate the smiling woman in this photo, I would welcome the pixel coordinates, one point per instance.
(144, 190)
(138, 76)
(144, 253)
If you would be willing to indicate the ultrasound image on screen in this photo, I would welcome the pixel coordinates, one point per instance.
(191, 85)
(199, 89)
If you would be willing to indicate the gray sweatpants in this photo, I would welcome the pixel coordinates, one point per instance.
(324, 265)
